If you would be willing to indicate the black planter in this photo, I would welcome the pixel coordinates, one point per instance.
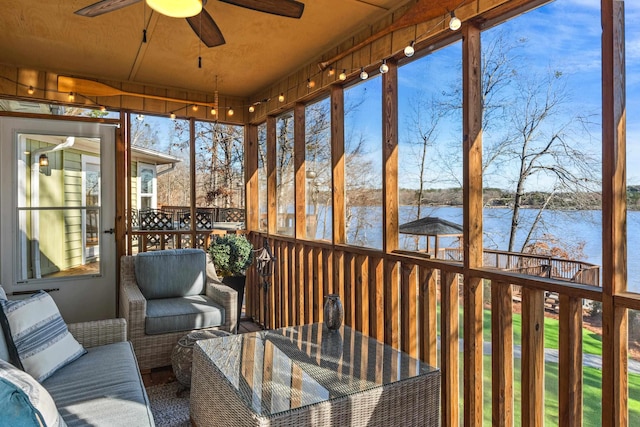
(237, 284)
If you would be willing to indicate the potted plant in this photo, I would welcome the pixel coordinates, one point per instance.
(231, 255)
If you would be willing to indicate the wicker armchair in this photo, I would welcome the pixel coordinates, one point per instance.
(154, 351)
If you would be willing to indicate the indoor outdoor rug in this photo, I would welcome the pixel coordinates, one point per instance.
(168, 409)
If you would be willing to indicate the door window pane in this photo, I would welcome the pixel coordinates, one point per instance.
(59, 202)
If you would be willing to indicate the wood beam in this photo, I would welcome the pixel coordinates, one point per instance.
(337, 160)
(614, 241)
(299, 167)
(472, 222)
(252, 205)
(390, 157)
(271, 175)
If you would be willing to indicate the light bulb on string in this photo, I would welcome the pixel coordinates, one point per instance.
(363, 74)
(384, 68)
(331, 72)
(230, 112)
(30, 90)
(343, 75)
(172, 116)
(252, 108)
(281, 97)
(409, 50)
(454, 23)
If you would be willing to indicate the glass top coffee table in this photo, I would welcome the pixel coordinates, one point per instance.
(309, 376)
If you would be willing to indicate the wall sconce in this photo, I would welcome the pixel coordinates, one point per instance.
(43, 160)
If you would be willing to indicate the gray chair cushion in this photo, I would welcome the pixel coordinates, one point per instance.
(101, 388)
(171, 273)
(182, 314)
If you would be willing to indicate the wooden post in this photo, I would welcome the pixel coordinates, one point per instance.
(390, 157)
(252, 204)
(614, 239)
(570, 367)
(337, 159)
(427, 295)
(300, 170)
(271, 175)
(532, 358)
(472, 222)
(502, 355)
(450, 353)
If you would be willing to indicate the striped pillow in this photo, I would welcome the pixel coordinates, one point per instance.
(23, 401)
(40, 336)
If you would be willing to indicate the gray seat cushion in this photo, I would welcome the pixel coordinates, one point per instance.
(171, 273)
(101, 388)
(182, 314)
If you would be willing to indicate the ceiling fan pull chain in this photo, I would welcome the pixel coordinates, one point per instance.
(144, 22)
(200, 44)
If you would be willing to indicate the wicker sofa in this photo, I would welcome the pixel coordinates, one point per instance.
(104, 386)
(167, 294)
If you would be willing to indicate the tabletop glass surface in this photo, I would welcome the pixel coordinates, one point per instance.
(284, 369)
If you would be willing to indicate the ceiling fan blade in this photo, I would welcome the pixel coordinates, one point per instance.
(206, 28)
(288, 8)
(104, 6)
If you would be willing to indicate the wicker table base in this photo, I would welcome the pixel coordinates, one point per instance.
(308, 376)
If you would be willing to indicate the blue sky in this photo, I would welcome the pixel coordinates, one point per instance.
(564, 35)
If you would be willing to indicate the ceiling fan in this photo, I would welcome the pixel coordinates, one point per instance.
(202, 23)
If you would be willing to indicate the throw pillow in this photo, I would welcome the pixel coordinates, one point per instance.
(24, 402)
(3, 294)
(40, 336)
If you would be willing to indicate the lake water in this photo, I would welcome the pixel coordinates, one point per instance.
(570, 227)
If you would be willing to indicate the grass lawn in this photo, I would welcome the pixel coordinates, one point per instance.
(592, 377)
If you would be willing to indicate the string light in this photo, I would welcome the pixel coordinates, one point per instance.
(172, 116)
(103, 108)
(384, 68)
(214, 112)
(281, 97)
(30, 90)
(454, 23)
(311, 84)
(363, 74)
(409, 50)
(343, 75)
(140, 117)
(72, 97)
(230, 112)
(252, 108)
(194, 107)
(331, 72)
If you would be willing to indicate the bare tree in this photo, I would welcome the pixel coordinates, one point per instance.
(530, 137)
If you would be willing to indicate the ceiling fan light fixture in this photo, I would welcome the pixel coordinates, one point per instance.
(176, 8)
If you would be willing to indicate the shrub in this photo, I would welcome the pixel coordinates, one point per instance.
(231, 254)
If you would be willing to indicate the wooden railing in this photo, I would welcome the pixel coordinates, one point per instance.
(394, 297)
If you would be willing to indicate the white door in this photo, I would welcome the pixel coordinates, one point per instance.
(57, 206)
